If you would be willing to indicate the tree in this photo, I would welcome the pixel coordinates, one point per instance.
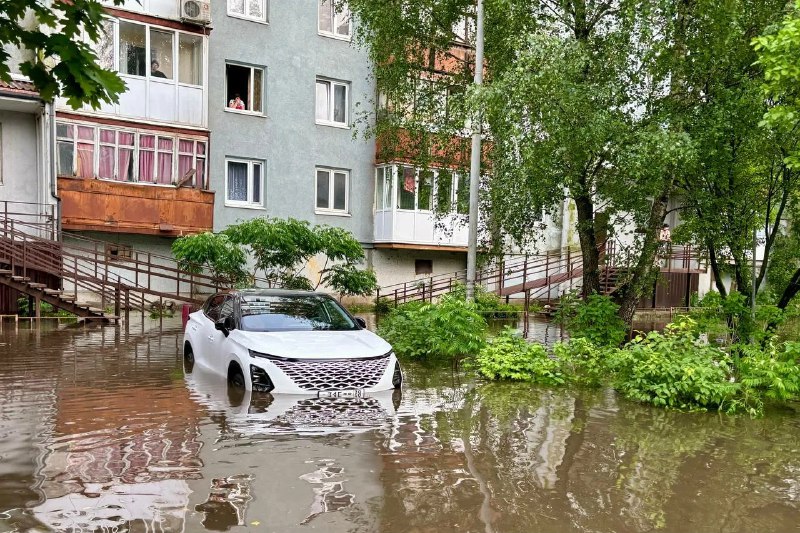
(55, 56)
(779, 56)
(583, 100)
(283, 251)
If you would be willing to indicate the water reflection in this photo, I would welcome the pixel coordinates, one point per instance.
(103, 429)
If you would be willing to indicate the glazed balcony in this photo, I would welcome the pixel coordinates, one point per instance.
(406, 199)
(121, 207)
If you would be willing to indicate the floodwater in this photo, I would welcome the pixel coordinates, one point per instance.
(104, 430)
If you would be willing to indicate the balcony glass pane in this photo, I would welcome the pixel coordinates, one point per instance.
(190, 59)
(161, 54)
(406, 188)
(132, 53)
(425, 190)
(444, 191)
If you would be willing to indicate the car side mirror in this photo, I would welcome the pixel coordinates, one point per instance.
(361, 322)
(225, 325)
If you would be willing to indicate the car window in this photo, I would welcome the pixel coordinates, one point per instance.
(293, 313)
(226, 309)
(212, 306)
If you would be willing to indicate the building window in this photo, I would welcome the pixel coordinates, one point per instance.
(117, 252)
(88, 151)
(423, 266)
(190, 59)
(423, 190)
(332, 101)
(333, 23)
(244, 87)
(132, 49)
(244, 183)
(332, 190)
(249, 9)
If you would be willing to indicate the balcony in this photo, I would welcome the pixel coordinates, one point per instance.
(405, 201)
(119, 207)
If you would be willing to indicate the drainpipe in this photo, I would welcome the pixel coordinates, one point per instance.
(53, 171)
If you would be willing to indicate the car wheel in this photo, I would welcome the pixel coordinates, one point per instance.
(188, 354)
(235, 377)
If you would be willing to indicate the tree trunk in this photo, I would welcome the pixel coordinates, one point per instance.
(712, 258)
(641, 279)
(791, 290)
(589, 251)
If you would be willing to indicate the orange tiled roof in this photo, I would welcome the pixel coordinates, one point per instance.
(18, 87)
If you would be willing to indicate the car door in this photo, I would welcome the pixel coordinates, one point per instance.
(204, 330)
(219, 342)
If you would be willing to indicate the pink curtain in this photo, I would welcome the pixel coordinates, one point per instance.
(185, 158)
(146, 160)
(125, 159)
(164, 168)
(106, 167)
(85, 161)
(164, 160)
(201, 173)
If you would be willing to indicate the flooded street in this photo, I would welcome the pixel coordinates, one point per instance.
(105, 430)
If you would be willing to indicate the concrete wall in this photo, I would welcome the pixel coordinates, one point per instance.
(20, 178)
(286, 137)
(397, 266)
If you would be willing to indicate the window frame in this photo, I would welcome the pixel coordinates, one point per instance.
(248, 204)
(330, 210)
(176, 59)
(345, 13)
(252, 68)
(331, 108)
(245, 16)
(137, 149)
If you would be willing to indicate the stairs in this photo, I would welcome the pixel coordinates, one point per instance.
(55, 297)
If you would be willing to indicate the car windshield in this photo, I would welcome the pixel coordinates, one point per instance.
(293, 313)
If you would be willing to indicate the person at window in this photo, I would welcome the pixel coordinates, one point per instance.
(665, 236)
(237, 103)
(154, 70)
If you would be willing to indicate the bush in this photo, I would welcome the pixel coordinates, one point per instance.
(594, 319)
(508, 356)
(767, 375)
(449, 329)
(674, 370)
(582, 362)
(488, 304)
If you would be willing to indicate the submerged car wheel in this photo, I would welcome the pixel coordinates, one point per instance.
(188, 354)
(235, 376)
(397, 376)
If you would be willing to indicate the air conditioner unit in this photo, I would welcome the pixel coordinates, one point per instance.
(196, 11)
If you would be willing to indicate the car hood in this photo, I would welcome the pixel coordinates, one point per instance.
(314, 344)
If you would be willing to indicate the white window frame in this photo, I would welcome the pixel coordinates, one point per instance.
(330, 210)
(137, 134)
(249, 203)
(252, 68)
(336, 18)
(331, 111)
(245, 16)
(176, 38)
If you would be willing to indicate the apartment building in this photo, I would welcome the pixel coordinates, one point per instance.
(135, 173)
(288, 93)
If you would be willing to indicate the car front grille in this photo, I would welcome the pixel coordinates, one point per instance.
(334, 374)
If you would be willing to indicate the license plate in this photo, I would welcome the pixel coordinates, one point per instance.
(355, 393)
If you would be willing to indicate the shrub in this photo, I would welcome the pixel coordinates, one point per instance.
(673, 369)
(767, 374)
(594, 319)
(508, 356)
(450, 328)
(581, 361)
(488, 304)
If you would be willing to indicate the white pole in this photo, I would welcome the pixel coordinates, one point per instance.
(475, 165)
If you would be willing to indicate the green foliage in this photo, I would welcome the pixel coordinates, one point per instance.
(596, 319)
(46, 310)
(582, 362)
(56, 57)
(510, 357)
(281, 249)
(767, 375)
(488, 304)
(674, 370)
(214, 253)
(383, 306)
(447, 329)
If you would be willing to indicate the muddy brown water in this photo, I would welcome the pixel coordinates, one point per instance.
(104, 430)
